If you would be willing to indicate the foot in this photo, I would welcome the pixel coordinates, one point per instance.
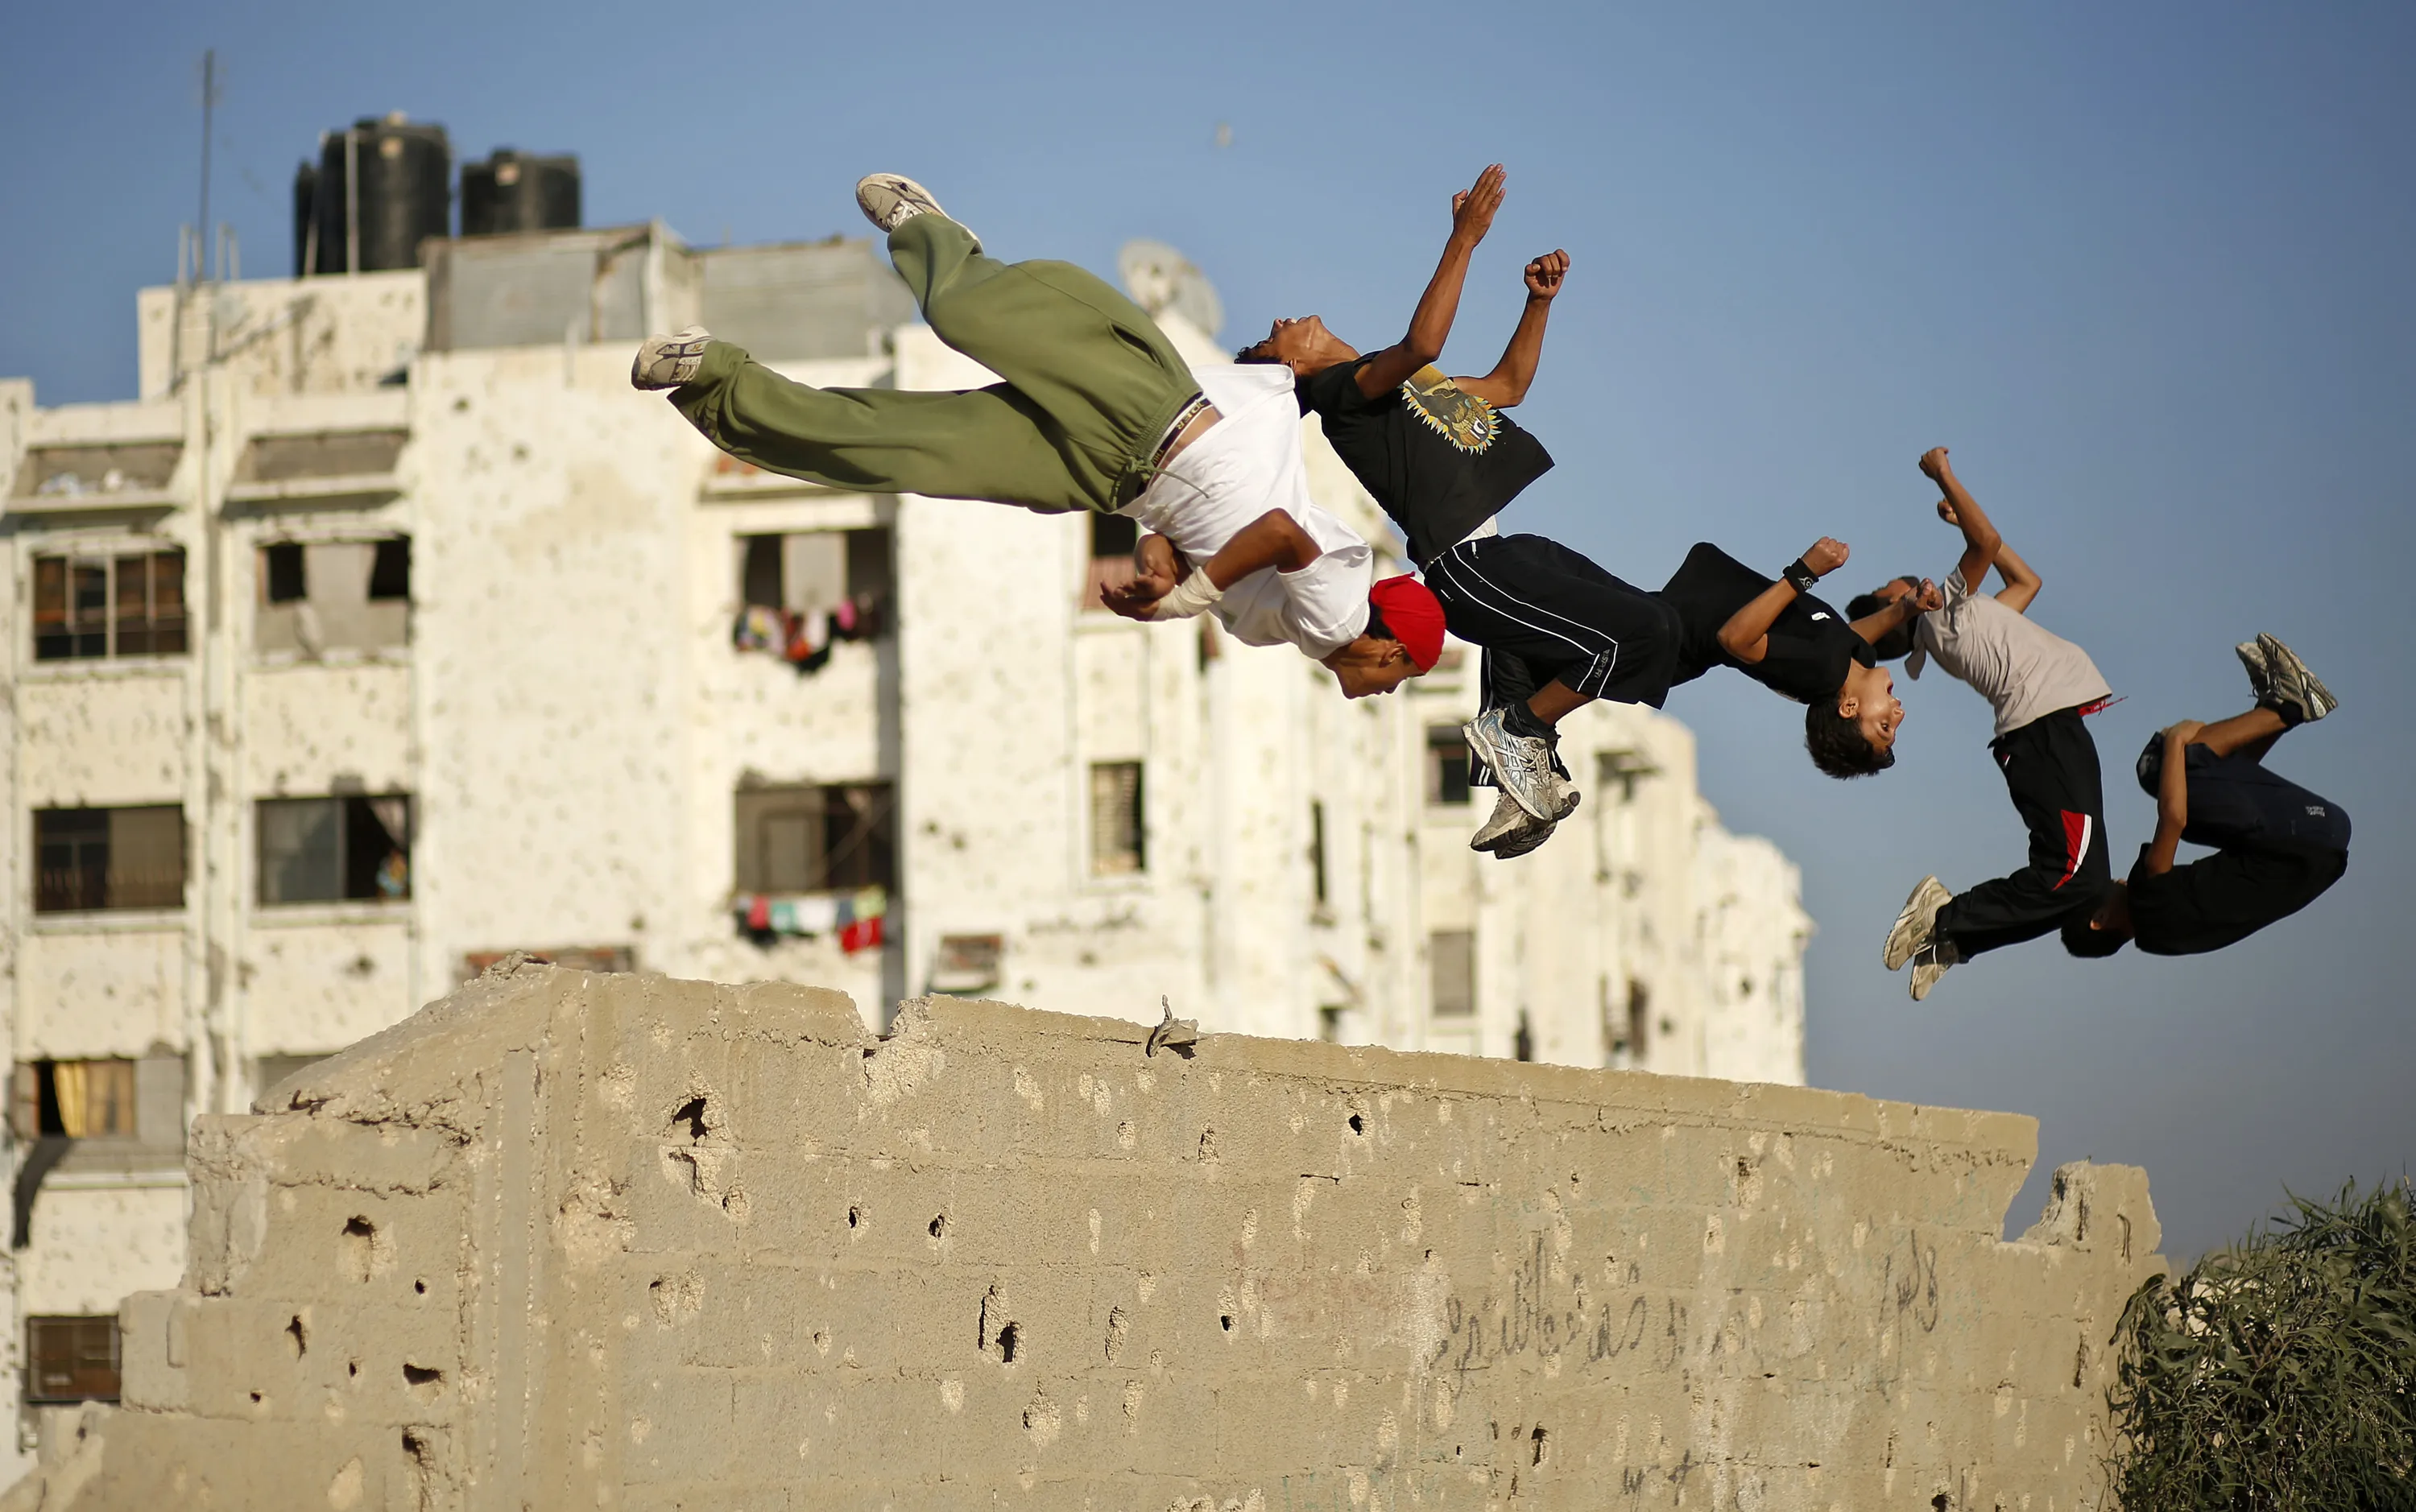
(2260, 675)
(1514, 832)
(669, 361)
(1917, 925)
(2293, 686)
(891, 199)
(1930, 965)
(1520, 763)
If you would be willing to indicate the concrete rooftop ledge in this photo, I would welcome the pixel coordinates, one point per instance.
(569, 1240)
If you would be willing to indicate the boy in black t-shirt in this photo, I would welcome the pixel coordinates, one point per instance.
(2278, 846)
(1557, 630)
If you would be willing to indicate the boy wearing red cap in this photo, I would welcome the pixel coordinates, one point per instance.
(1097, 412)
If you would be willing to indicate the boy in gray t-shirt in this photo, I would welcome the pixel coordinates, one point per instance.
(2042, 687)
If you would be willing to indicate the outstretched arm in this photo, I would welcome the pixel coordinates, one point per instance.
(1981, 540)
(2173, 798)
(1904, 608)
(1471, 216)
(1507, 383)
(1746, 635)
(1274, 539)
(2021, 584)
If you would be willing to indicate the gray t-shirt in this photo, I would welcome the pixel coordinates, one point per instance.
(2021, 668)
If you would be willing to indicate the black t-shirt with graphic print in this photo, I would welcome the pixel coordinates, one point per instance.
(1811, 645)
(1440, 461)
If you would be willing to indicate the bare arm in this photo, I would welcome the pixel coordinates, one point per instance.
(2173, 798)
(1910, 606)
(1507, 383)
(1274, 539)
(1746, 635)
(1960, 510)
(1471, 216)
(2021, 584)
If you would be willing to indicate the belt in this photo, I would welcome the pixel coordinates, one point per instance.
(1182, 418)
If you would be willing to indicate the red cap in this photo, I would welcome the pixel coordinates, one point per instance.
(1413, 615)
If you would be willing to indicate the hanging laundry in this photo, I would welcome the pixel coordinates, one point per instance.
(871, 902)
(758, 913)
(758, 629)
(816, 913)
(863, 935)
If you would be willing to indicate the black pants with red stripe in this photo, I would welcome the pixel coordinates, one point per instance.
(2051, 766)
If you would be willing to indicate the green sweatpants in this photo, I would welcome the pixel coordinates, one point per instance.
(1090, 386)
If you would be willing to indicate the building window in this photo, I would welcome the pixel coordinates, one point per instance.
(129, 605)
(1119, 836)
(811, 571)
(1317, 851)
(1446, 765)
(335, 850)
(1451, 962)
(833, 839)
(1113, 539)
(267, 1070)
(72, 1359)
(74, 1099)
(334, 595)
(92, 859)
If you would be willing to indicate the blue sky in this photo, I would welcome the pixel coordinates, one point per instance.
(2145, 271)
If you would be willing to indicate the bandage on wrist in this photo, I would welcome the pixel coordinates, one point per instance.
(1192, 596)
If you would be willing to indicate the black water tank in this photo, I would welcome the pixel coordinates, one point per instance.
(518, 191)
(306, 200)
(402, 194)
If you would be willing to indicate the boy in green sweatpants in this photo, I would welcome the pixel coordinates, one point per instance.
(1097, 412)
(1091, 388)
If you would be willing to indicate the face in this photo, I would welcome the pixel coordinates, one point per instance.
(1869, 700)
(1303, 345)
(1368, 667)
(1894, 589)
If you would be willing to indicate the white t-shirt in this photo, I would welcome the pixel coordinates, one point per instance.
(2023, 669)
(1246, 464)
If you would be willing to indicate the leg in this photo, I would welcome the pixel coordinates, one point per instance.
(2251, 734)
(2051, 771)
(980, 443)
(1563, 616)
(1086, 355)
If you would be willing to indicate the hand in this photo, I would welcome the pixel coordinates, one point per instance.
(1946, 513)
(1473, 208)
(2180, 735)
(1825, 556)
(1925, 598)
(1543, 275)
(1136, 599)
(1935, 467)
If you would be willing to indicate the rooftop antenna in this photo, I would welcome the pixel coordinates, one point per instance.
(209, 102)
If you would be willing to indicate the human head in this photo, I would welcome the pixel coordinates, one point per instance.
(1855, 735)
(2105, 929)
(1302, 345)
(1403, 639)
(1897, 642)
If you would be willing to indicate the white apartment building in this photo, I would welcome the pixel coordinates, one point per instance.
(389, 630)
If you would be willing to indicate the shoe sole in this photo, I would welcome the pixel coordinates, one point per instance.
(1485, 751)
(1509, 842)
(901, 190)
(1901, 944)
(2315, 700)
(1922, 986)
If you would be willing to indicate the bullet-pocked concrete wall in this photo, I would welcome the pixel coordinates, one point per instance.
(576, 1241)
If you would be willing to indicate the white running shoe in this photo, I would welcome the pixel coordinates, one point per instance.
(891, 199)
(1916, 926)
(670, 361)
(1514, 832)
(1520, 763)
(2293, 684)
(1930, 965)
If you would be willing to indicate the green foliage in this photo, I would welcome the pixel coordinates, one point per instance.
(2278, 1375)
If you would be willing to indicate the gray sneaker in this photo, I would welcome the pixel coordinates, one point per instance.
(1520, 763)
(2292, 684)
(891, 199)
(1915, 925)
(1930, 965)
(669, 361)
(1514, 832)
(2260, 675)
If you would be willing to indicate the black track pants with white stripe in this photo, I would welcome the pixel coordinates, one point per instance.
(1542, 611)
(2051, 766)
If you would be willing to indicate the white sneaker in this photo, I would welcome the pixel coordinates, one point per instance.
(891, 199)
(1930, 965)
(1520, 763)
(669, 361)
(1514, 832)
(1915, 925)
(2293, 684)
